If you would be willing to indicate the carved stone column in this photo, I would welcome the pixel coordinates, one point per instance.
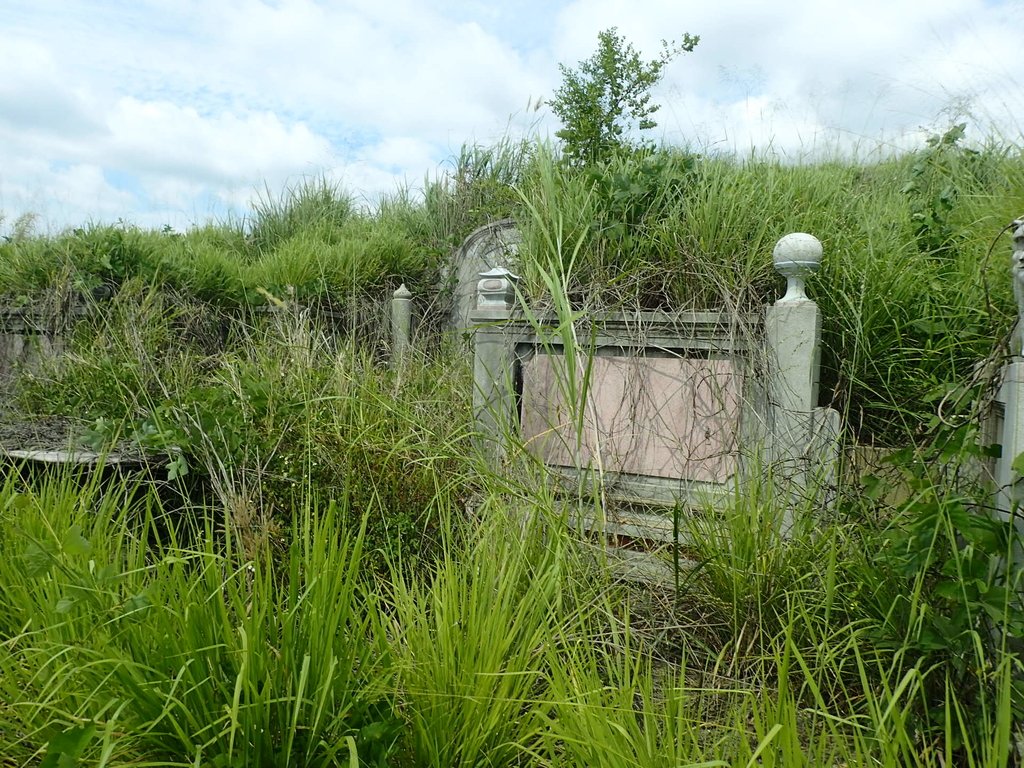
(401, 326)
(1017, 272)
(793, 331)
(493, 393)
(793, 325)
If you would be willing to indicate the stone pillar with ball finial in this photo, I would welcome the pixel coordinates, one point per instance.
(401, 326)
(793, 333)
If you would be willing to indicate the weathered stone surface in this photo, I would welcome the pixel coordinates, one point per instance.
(797, 256)
(1017, 273)
(677, 407)
(401, 326)
(659, 417)
(26, 352)
(493, 245)
(72, 457)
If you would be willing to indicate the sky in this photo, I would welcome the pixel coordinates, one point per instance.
(177, 112)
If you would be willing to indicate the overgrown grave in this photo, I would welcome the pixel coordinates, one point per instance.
(32, 332)
(34, 337)
(185, 398)
(653, 415)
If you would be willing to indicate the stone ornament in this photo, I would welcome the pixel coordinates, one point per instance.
(496, 289)
(492, 245)
(797, 256)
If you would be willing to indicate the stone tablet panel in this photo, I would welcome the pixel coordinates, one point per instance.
(660, 417)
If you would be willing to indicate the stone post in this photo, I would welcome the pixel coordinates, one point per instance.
(793, 330)
(493, 395)
(1009, 485)
(401, 326)
(1010, 397)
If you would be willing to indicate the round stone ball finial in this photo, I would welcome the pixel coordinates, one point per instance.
(797, 256)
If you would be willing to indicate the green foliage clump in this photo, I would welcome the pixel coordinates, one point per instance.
(606, 229)
(936, 582)
(940, 176)
(609, 96)
(311, 244)
(667, 230)
(313, 204)
(187, 656)
(127, 352)
(479, 188)
(474, 636)
(282, 411)
(316, 420)
(85, 259)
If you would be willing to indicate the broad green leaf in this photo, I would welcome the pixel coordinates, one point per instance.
(136, 606)
(37, 560)
(950, 590)
(74, 543)
(20, 502)
(65, 604)
(65, 749)
(107, 575)
(1018, 464)
(177, 468)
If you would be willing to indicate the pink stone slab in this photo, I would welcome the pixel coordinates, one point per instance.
(660, 417)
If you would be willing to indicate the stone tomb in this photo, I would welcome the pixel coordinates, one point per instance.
(655, 408)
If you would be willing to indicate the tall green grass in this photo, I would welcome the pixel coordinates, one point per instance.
(204, 656)
(911, 295)
(120, 646)
(354, 584)
(474, 636)
(311, 243)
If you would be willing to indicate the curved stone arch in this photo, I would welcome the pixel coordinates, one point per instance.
(493, 245)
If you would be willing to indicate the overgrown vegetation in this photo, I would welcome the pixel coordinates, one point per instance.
(124, 644)
(340, 578)
(607, 97)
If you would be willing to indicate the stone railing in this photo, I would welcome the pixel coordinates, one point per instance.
(31, 335)
(658, 408)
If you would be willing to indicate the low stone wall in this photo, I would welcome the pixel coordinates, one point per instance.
(659, 408)
(656, 408)
(30, 336)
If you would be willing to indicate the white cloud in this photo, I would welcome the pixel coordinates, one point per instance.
(87, 184)
(400, 152)
(161, 138)
(67, 195)
(188, 108)
(34, 98)
(859, 70)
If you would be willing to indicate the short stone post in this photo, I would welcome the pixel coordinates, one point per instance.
(793, 329)
(493, 395)
(401, 326)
